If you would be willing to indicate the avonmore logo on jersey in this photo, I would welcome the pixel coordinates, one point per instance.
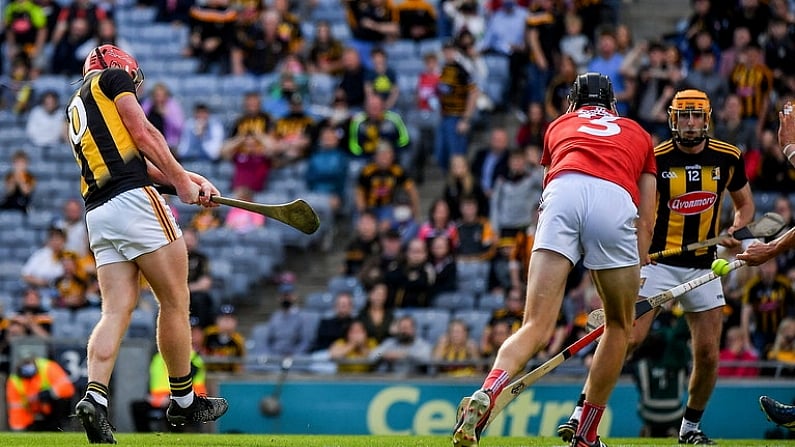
(693, 202)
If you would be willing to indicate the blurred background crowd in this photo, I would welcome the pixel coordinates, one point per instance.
(415, 128)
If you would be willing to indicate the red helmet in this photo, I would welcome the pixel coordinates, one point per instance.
(110, 56)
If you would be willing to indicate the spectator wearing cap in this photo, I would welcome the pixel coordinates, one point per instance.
(202, 136)
(225, 347)
(45, 126)
(288, 333)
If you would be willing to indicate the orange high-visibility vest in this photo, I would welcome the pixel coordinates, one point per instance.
(22, 395)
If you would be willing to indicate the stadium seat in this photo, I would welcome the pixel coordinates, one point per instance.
(319, 301)
(311, 322)
(7, 304)
(321, 88)
(267, 242)
(430, 46)
(491, 301)
(400, 50)
(65, 326)
(85, 319)
(255, 342)
(764, 201)
(411, 66)
(431, 323)
(57, 83)
(237, 86)
(454, 300)
(11, 219)
(38, 219)
(341, 31)
(475, 319)
(142, 325)
(342, 283)
(473, 276)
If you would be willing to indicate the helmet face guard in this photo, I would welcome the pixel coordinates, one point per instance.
(689, 105)
(592, 89)
(110, 56)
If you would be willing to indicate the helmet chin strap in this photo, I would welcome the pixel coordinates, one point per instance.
(690, 142)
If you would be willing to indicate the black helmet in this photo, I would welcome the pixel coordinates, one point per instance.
(592, 89)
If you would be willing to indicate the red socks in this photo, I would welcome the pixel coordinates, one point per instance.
(496, 381)
(589, 421)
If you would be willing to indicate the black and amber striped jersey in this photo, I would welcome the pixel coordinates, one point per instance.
(109, 161)
(380, 185)
(455, 85)
(772, 301)
(690, 191)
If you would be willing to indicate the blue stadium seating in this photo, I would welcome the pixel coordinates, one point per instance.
(431, 323)
(454, 300)
(322, 301)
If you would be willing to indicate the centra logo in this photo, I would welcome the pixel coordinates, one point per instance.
(693, 202)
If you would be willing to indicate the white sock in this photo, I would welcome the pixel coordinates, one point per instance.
(184, 401)
(577, 413)
(98, 398)
(688, 426)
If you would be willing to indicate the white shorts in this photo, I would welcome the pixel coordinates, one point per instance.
(657, 278)
(129, 225)
(584, 216)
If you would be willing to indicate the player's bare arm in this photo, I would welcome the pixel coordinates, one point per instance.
(647, 209)
(149, 141)
(207, 187)
(744, 210)
(786, 131)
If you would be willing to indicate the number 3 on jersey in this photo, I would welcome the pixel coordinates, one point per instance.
(600, 125)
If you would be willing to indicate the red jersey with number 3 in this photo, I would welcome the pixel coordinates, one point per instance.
(599, 143)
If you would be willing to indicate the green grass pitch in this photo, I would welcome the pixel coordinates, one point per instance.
(207, 440)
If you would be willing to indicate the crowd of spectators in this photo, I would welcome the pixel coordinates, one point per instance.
(368, 146)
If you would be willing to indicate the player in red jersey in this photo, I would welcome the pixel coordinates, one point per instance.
(598, 205)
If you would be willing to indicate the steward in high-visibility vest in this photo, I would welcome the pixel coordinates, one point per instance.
(152, 411)
(37, 394)
(159, 391)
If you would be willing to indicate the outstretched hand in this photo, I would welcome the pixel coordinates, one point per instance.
(757, 253)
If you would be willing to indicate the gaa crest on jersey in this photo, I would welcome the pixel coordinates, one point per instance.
(695, 202)
(716, 173)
